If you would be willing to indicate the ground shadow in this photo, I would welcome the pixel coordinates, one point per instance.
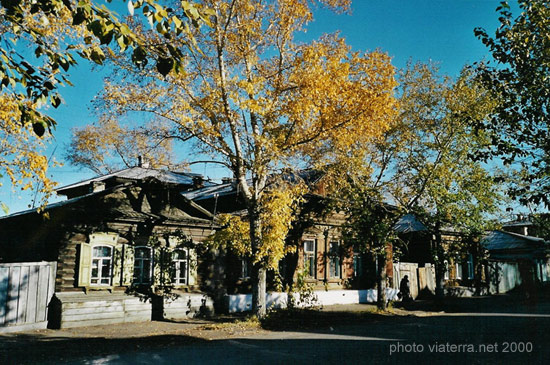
(35, 349)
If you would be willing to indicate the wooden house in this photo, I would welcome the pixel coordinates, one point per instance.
(321, 257)
(121, 242)
(516, 259)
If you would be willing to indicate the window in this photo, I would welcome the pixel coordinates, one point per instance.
(142, 265)
(180, 262)
(309, 257)
(245, 273)
(357, 265)
(458, 271)
(446, 265)
(334, 259)
(102, 265)
(470, 263)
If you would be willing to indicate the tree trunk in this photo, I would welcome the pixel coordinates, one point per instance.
(259, 272)
(439, 267)
(259, 290)
(381, 280)
(478, 268)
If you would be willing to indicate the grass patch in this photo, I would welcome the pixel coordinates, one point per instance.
(245, 323)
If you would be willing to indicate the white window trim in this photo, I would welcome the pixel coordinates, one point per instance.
(458, 269)
(311, 253)
(99, 268)
(176, 267)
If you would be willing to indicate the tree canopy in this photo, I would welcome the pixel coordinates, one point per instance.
(21, 153)
(257, 100)
(421, 165)
(58, 30)
(40, 42)
(520, 80)
(108, 145)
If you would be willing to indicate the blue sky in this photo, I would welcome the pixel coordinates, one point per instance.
(417, 30)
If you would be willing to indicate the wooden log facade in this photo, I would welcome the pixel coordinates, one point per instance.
(114, 247)
(129, 247)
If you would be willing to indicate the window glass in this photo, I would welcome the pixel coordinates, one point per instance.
(357, 265)
(180, 266)
(458, 270)
(309, 258)
(142, 265)
(102, 264)
(245, 274)
(334, 259)
(470, 267)
(179, 255)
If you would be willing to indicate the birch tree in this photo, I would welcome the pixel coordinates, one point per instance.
(257, 100)
(422, 165)
(108, 145)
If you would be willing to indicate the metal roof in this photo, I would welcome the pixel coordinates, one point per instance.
(210, 191)
(408, 224)
(140, 173)
(227, 188)
(60, 203)
(500, 240)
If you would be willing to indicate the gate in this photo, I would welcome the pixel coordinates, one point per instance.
(406, 268)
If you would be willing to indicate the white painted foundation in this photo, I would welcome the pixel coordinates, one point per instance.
(243, 302)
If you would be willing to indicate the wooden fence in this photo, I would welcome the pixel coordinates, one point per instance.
(26, 289)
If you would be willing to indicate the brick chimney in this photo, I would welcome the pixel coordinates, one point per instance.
(142, 162)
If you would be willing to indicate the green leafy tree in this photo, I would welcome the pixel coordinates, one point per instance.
(58, 31)
(40, 42)
(520, 79)
(422, 166)
(436, 169)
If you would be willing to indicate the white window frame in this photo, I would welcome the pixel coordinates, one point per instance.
(139, 264)
(177, 280)
(99, 260)
(310, 257)
(446, 274)
(458, 270)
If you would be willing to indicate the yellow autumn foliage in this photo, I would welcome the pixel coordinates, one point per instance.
(21, 152)
(277, 209)
(108, 146)
(258, 100)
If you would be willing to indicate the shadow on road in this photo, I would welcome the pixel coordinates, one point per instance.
(33, 349)
(504, 303)
(471, 330)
